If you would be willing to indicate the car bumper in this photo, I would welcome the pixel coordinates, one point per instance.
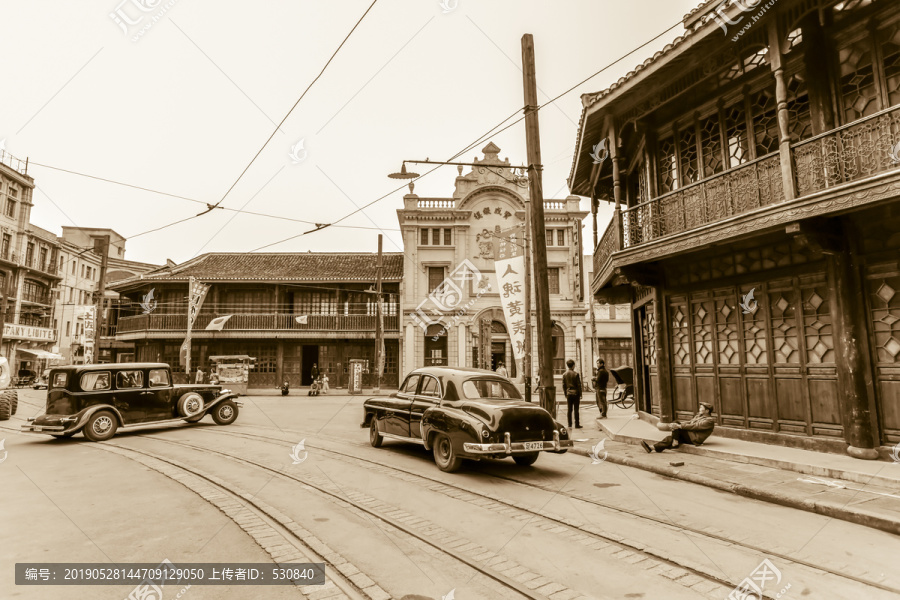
(508, 447)
(63, 425)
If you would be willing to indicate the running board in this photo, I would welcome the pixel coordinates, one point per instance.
(401, 438)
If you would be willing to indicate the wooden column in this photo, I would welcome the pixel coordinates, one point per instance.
(663, 360)
(637, 360)
(784, 136)
(816, 58)
(279, 362)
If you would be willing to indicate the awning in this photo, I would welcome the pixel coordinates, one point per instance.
(43, 354)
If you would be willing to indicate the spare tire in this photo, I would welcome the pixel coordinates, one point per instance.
(4, 408)
(190, 404)
(13, 398)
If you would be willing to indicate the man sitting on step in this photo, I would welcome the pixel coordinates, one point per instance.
(694, 431)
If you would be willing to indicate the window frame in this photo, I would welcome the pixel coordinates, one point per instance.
(150, 383)
(140, 384)
(98, 374)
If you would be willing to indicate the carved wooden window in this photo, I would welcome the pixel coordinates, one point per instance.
(690, 171)
(817, 324)
(799, 122)
(889, 39)
(702, 322)
(793, 39)
(884, 294)
(648, 334)
(756, 59)
(765, 121)
(681, 342)
(711, 144)
(727, 331)
(756, 346)
(668, 171)
(842, 9)
(641, 192)
(784, 328)
(858, 88)
(736, 134)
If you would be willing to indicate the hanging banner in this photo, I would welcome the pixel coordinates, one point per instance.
(196, 295)
(88, 315)
(509, 262)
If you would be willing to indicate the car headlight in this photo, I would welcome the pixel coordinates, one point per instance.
(485, 433)
(562, 430)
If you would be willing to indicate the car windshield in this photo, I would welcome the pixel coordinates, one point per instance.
(490, 388)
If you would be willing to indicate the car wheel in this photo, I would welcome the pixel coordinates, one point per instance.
(13, 398)
(444, 456)
(190, 404)
(101, 426)
(374, 436)
(4, 409)
(526, 460)
(225, 413)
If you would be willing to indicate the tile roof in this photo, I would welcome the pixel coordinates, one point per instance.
(280, 266)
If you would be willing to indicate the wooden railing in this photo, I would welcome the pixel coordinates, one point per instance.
(855, 151)
(609, 243)
(245, 322)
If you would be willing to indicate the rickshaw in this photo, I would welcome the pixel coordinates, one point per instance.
(623, 395)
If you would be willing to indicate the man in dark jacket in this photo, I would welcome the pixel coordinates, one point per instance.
(601, 380)
(571, 383)
(694, 431)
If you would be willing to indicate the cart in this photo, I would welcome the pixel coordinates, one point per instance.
(233, 372)
(623, 395)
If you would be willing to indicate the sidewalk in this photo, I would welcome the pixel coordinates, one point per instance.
(859, 491)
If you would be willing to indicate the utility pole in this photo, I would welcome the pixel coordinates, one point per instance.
(547, 393)
(379, 323)
(101, 292)
(526, 360)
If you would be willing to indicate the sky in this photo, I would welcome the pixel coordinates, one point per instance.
(178, 96)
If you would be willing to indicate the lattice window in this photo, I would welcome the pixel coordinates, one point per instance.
(756, 59)
(884, 294)
(756, 346)
(688, 147)
(799, 122)
(732, 73)
(702, 321)
(817, 324)
(681, 341)
(890, 50)
(711, 143)
(859, 94)
(842, 9)
(765, 122)
(784, 329)
(736, 132)
(794, 39)
(727, 331)
(668, 171)
(648, 333)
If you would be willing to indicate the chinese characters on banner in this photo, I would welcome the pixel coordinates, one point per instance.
(196, 295)
(509, 262)
(88, 316)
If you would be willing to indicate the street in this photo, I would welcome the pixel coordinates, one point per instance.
(389, 524)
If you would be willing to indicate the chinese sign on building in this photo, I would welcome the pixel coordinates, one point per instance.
(509, 262)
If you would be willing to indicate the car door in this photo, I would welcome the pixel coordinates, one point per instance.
(429, 395)
(129, 399)
(396, 408)
(157, 396)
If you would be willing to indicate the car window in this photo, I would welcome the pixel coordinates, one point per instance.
(95, 381)
(59, 380)
(490, 388)
(430, 387)
(129, 379)
(158, 378)
(410, 386)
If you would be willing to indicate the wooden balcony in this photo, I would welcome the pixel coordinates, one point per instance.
(744, 198)
(248, 325)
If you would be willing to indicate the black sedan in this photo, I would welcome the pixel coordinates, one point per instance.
(462, 413)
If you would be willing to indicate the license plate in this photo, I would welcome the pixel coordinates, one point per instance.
(37, 428)
(534, 445)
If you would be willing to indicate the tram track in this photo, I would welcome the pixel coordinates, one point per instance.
(571, 523)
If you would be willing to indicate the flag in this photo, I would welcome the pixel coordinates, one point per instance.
(196, 295)
(304, 320)
(509, 261)
(218, 323)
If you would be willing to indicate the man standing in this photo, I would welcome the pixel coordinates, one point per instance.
(199, 378)
(315, 372)
(601, 380)
(571, 383)
(501, 370)
(694, 431)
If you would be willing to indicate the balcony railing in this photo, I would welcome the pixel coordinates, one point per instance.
(14, 163)
(861, 149)
(245, 322)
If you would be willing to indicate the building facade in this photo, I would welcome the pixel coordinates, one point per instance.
(756, 183)
(440, 234)
(288, 311)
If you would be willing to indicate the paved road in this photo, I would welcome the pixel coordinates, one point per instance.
(389, 524)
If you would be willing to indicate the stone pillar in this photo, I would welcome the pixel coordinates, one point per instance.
(410, 344)
(461, 345)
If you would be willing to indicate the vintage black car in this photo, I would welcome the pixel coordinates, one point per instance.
(98, 399)
(462, 413)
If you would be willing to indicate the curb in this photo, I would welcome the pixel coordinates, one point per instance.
(825, 508)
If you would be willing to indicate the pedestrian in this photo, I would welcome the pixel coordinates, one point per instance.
(325, 387)
(572, 386)
(694, 431)
(601, 380)
(501, 370)
(199, 377)
(315, 372)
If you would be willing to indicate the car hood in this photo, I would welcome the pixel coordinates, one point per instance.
(507, 415)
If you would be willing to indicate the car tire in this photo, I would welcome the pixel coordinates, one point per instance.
(4, 409)
(526, 460)
(375, 437)
(13, 398)
(444, 456)
(225, 413)
(100, 426)
(190, 404)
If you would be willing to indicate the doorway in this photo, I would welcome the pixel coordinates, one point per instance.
(310, 357)
(498, 354)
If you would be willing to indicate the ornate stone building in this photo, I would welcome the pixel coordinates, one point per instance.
(440, 234)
